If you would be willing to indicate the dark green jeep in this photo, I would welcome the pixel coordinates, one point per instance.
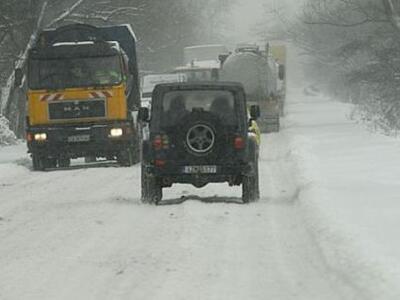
(199, 134)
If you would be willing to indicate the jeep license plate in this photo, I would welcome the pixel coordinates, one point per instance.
(79, 138)
(200, 169)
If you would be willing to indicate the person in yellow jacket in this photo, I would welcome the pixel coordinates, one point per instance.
(254, 131)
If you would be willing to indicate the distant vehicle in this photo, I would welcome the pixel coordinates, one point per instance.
(83, 96)
(199, 134)
(258, 72)
(203, 53)
(151, 80)
(202, 63)
(200, 71)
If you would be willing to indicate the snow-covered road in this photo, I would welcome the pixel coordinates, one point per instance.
(83, 233)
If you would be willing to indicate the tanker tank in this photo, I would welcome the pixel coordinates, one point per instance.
(259, 76)
(253, 71)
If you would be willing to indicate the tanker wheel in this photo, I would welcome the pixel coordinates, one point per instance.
(64, 162)
(90, 159)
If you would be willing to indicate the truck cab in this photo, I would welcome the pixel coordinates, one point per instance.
(83, 96)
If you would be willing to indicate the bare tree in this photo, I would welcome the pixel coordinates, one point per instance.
(392, 10)
(351, 50)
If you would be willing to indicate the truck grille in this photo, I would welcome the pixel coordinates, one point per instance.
(72, 110)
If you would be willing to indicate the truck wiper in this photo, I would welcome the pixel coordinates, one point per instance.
(101, 86)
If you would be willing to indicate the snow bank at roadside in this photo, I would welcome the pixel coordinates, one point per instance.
(7, 137)
(349, 194)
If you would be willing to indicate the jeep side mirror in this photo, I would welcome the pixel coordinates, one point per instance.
(222, 58)
(144, 114)
(131, 68)
(255, 112)
(18, 76)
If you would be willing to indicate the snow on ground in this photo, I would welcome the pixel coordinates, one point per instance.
(7, 137)
(325, 228)
(350, 193)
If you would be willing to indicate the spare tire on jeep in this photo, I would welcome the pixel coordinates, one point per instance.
(201, 133)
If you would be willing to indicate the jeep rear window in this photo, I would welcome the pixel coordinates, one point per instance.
(178, 104)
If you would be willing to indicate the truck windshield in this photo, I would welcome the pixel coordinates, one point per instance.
(74, 72)
(199, 75)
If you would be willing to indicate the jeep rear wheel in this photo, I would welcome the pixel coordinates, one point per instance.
(257, 182)
(151, 188)
(250, 186)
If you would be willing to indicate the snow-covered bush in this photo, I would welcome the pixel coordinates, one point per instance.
(7, 137)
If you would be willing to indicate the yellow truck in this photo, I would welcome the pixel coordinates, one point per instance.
(83, 96)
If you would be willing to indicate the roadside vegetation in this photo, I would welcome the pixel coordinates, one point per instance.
(351, 52)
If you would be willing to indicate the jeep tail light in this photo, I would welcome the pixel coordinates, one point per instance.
(157, 143)
(160, 163)
(239, 143)
(161, 142)
(29, 137)
(165, 141)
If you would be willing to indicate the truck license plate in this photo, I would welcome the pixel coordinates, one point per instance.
(79, 138)
(200, 169)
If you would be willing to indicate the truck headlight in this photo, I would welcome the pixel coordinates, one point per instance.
(116, 132)
(40, 137)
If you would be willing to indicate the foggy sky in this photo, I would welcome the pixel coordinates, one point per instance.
(247, 14)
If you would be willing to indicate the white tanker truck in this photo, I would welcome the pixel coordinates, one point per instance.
(258, 72)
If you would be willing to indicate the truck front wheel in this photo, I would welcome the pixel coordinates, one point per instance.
(125, 157)
(38, 162)
(64, 162)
